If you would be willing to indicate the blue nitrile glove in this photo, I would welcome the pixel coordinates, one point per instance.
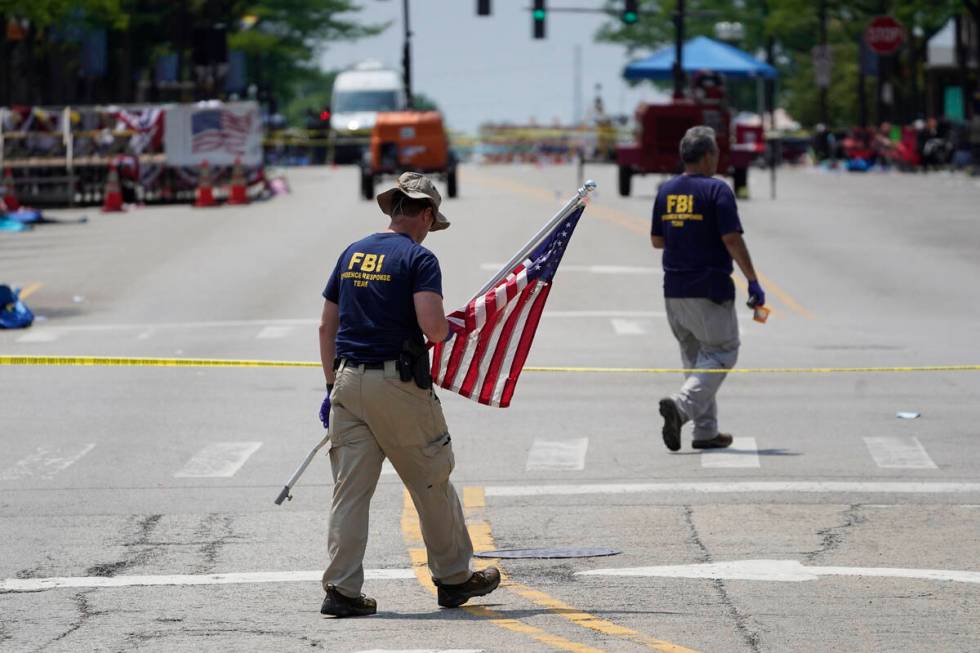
(325, 408)
(757, 296)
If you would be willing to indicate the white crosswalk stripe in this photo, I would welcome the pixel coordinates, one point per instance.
(560, 455)
(742, 453)
(39, 335)
(46, 462)
(274, 332)
(218, 460)
(624, 327)
(892, 452)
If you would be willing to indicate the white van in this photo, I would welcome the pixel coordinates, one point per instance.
(358, 95)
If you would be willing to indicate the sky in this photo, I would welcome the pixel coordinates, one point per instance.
(488, 68)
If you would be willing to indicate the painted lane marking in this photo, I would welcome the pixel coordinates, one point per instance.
(187, 325)
(627, 327)
(602, 314)
(742, 453)
(593, 269)
(741, 487)
(35, 584)
(781, 571)
(274, 332)
(145, 335)
(46, 462)
(423, 650)
(899, 453)
(474, 500)
(218, 460)
(39, 335)
(412, 535)
(557, 455)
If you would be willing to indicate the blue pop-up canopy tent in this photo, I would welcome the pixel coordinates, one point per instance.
(700, 53)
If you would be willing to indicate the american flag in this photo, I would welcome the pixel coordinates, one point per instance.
(485, 359)
(218, 129)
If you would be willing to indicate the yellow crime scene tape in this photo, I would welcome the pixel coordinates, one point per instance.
(110, 361)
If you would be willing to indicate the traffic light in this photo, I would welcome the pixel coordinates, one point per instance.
(538, 14)
(631, 12)
(482, 7)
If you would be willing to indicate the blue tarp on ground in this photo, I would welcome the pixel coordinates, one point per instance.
(700, 53)
(14, 314)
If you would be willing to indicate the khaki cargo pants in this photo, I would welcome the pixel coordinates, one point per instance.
(375, 415)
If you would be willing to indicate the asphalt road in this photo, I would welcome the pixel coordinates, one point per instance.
(159, 482)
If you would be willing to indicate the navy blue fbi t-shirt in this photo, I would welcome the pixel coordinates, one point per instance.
(373, 284)
(692, 213)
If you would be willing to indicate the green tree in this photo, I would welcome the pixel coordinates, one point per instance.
(791, 28)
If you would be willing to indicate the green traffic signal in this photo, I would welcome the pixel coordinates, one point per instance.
(538, 14)
(630, 17)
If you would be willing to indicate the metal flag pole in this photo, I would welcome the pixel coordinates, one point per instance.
(286, 491)
(570, 206)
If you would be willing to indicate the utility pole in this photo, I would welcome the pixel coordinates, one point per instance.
(824, 110)
(679, 51)
(407, 56)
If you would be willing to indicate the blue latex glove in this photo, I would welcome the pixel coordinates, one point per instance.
(325, 408)
(757, 296)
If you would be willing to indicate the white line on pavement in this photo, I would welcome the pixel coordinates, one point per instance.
(274, 332)
(34, 584)
(423, 650)
(741, 487)
(46, 462)
(899, 453)
(602, 314)
(624, 327)
(39, 335)
(218, 460)
(781, 571)
(560, 455)
(387, 469)
(743, 452)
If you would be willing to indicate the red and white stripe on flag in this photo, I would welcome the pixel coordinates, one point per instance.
(484, 361)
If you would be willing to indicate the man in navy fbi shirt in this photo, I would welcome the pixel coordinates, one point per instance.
(696, 223)
(383, 298)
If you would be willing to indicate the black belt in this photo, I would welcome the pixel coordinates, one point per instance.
(367, 366)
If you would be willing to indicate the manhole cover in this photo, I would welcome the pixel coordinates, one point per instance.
(548, 553)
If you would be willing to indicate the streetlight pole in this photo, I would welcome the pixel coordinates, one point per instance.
(679, 51)
(407, 56)
(824, 114)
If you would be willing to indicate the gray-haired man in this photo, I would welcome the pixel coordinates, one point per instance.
(696, 223)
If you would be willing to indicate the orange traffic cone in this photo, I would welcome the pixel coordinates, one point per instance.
(8, 192)
(113, 201)
(239, 187)
(205, 193)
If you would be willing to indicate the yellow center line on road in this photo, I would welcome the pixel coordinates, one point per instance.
(637, 225)
(30, 289)
(474, 501)
(412, 534)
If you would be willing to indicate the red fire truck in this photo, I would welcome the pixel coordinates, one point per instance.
(660, 128)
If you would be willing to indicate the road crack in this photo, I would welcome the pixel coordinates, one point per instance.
(749, 636)
(831, 538)
(215, 530)
(85, 612)
(145, 528)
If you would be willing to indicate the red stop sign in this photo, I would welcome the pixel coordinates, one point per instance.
(884, 34)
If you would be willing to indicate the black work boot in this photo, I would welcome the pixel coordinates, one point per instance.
(480, 583)
(672, 423)
(339, 605)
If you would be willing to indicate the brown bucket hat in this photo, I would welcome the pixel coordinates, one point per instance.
(417, 186)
